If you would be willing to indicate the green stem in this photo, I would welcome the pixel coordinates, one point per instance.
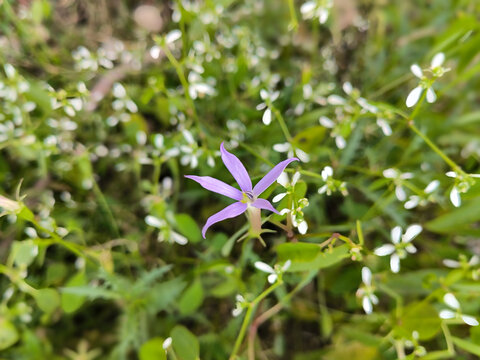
(281, 121)
(293, 15)
(184, 82)
(248, 315)
(434, 147)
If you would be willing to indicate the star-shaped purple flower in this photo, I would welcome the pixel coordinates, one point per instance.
(245, 197)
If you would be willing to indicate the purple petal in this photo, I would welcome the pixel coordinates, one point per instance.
(264, 204)
(217, 186)
(236, 168)
(230, 211)
(272, 175)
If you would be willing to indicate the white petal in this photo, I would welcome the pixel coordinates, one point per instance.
(451, 263)
(400, 193)
(451, 301)
(446, 314)
(431, 96)
(327, 172)
(284, 211)
(437, 60)
(475, 260)
(154, 221)
(272, 278)
(336, 100)
(469, 320)
(284, 147)
(411, 232)
(384, 250)
(451, 174)
(432, 186)
(166, 344)
(287, 265)
(396, 234)
(326, 122)
(455, 197)
(395, 263)
(173, 36)
(374, 299)
(303, 227)
(278, 197)
(340, 142)
(322, 15)
(323, 189)
(366, 276)
(390, 173)
(416, 70)
(347, 87)
(179, 239)
(302, 155)
(267, 117)
(283, 179)
(412, 202)
(236, 312)
(367, 305)
(411, 249)
(264, 267)
(264, 94)
(295, 178)
(413, 97)
(383, 124)
(307, 7)
(155, 51)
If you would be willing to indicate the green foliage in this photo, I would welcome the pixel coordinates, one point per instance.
(105, 106)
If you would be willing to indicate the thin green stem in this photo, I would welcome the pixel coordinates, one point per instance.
(281, 121)
(293, 15)
(248, 315)
(361, 240)
(434, 147)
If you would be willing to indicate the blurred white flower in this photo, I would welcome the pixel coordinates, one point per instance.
(398, 178)
(451, 301)
(366, 291)
(401, 245)
(287, 184)
(425, 83)
(292, 151)
(273, 272)
(316, 9)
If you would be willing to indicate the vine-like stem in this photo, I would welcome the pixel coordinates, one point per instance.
(274, 310)
(246, 320)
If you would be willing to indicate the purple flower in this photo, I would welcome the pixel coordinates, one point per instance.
(245, 197)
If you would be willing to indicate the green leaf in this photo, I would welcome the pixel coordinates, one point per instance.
(466, 345)
(308, 256)
(192, 298)
(47, 299)
(185, 344)
(421, 317)
(309, 138)
(457, 219)
(72, 302)
(24, 252)
(152, 350)
(188, 227)
(8, 334)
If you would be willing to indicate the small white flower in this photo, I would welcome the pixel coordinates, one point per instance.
(425, 83)
(273, 273)
(451, 301)
(366, 291)
(292, 151)
(401, 245)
